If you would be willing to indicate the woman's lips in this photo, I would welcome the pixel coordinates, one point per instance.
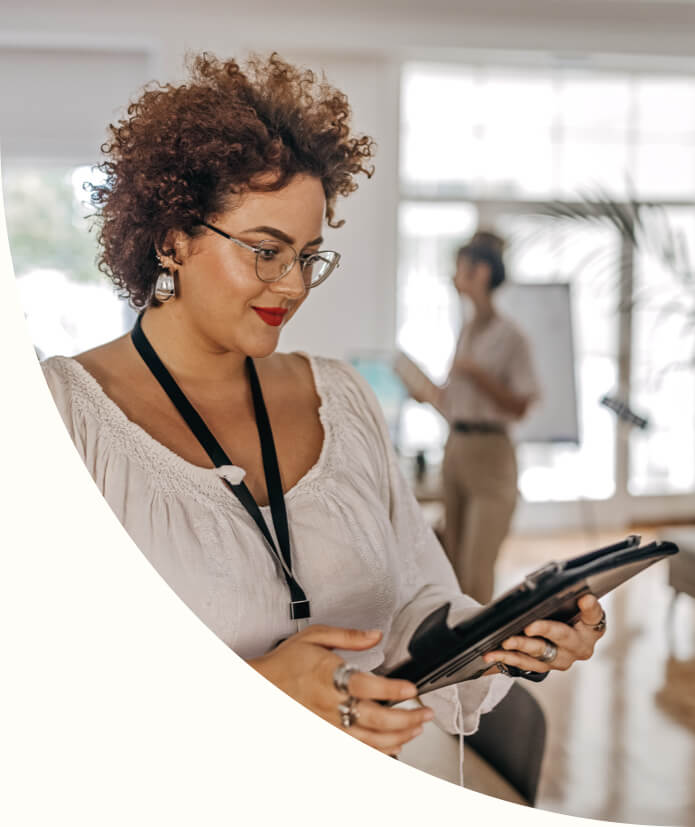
(271, 315)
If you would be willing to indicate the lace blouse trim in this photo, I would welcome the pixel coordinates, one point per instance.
(172, 474)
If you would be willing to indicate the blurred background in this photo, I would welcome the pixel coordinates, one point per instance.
(568, 128)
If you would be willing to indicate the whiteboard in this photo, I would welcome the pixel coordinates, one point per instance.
(543, 311)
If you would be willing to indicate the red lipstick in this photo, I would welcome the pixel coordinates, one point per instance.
(271, 315)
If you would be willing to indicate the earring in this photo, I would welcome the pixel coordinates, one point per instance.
(164, 287)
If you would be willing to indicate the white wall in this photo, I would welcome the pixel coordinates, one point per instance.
(355, 308)
(56, 103)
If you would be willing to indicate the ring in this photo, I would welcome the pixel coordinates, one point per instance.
(549, 653)
(348, 713)
(341, 677)
(503, 668)
(600, 626)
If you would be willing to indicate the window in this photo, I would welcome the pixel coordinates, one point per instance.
(488, 145)
(663, 353)
(68, 304)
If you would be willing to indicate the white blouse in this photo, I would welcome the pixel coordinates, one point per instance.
(503, 351)
(360, 546)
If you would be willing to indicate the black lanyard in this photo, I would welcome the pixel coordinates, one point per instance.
(299, 605)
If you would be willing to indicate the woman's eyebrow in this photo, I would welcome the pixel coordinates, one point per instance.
(281, 235)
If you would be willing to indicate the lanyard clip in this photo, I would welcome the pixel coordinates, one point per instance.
(300, 610)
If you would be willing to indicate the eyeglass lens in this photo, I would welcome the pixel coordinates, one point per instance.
(275, 259)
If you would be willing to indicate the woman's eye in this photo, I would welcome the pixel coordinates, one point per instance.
(267, 253)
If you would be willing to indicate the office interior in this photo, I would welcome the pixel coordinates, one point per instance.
(569, 129)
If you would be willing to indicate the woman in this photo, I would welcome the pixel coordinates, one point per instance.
(491, 384)
(212, 216)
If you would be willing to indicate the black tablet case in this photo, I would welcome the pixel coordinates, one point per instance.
(441, 655)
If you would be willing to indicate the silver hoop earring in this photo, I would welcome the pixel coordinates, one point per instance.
(164, 288)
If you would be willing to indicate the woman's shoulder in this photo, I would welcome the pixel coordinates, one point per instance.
(80, 379)
(332, 377)
(74, 394)
(107, 364)
(507, 327)
(344, 394)
(63, 375)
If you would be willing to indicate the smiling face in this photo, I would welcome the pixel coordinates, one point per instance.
(218, 293)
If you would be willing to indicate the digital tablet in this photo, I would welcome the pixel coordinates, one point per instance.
(440, 654)
(417, 383)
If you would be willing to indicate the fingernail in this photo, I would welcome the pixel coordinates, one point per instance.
(428, 715)
(372, 632)
(418, 731)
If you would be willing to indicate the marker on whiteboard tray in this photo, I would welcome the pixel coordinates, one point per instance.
(624, 412)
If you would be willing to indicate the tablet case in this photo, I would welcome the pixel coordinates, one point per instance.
(441, 655)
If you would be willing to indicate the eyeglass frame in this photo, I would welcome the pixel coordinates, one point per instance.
(297, 256)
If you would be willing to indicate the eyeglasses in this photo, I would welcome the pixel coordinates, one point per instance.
(275, 259)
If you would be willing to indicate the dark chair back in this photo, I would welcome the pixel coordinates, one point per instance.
(511, 738)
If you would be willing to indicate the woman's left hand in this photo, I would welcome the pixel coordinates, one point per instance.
(573, 642)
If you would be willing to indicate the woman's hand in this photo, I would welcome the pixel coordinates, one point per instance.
(573, 642)
(466, 367)
(509, 401)
(303, 666)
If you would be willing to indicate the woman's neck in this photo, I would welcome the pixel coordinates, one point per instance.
(188, 353)
(484, 309)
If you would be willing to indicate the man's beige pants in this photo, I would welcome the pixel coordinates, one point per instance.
(480, 492)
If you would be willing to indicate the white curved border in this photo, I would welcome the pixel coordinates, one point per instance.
(119, 707)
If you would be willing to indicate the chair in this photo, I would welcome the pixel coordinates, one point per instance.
(681, 568)
(682, 565)
(503, 758)
(511, 739)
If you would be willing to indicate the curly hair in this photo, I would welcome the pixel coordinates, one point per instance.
(183, 151)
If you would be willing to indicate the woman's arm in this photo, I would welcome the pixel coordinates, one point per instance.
(303, 667)
(509, 401)
(425, 577)
(429, 582)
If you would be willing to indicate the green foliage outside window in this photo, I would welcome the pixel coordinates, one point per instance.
(48, 222)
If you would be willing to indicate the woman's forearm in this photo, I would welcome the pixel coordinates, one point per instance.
(506, 399)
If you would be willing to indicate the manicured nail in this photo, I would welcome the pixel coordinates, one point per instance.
(418, 731)
(428, 715)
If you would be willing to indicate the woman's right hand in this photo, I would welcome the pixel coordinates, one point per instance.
(303, 666)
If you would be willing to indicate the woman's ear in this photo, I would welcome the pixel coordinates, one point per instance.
(176, 246)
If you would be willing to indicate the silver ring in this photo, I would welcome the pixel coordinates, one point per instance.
(341, 677)
(600, 626)
(502, 667)
(549, 653)
(348, 713)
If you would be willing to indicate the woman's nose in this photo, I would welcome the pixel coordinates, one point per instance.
(292, 283)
